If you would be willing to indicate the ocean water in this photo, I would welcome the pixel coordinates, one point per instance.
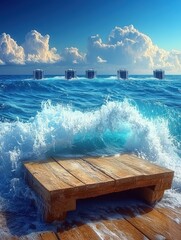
(80, 117)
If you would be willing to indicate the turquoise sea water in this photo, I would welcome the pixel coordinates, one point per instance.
(102, 116)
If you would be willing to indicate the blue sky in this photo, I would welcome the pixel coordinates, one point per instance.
(69, 23)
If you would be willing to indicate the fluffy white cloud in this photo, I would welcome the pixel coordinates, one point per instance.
(100, 60)
(10, 52)
(37, 49)
(175, 58)
(73, 56)
(127, 47)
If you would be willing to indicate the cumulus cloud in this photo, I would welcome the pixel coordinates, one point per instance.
(37, 48)
(100, 60)
(10, 52)
(73, 56)
(127, 47)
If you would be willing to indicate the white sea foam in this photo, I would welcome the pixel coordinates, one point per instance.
(115, 127)
(142, 78)
(54, 78)
(112, 77)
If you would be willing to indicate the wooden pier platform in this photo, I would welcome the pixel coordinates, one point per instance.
(61, 182)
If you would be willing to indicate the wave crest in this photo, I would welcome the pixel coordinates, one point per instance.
(115, 127)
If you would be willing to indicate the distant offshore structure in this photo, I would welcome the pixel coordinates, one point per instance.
(70, 73)
(90, 73)
(122, 74)
(38, 74)
(159, 73)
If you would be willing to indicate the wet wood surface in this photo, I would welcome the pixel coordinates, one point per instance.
(111, 219)
(61, 182)
(130, 222)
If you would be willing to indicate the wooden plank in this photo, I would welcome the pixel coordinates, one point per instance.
(132, 164)
(150, 172)
(125, 177)
(118, 229)
(116, 163)
(83, 171)
(78, 232)
(63, 174)
(131, 222)
(44, 176)
(48, 236)
(144, 166)
(115, 224)
(111, 169)
(52, 176)
(173, 213)
(133, 171)
(152, 223)
(96, 182)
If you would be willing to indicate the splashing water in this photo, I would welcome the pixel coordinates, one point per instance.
(147, 129)
(114, 128)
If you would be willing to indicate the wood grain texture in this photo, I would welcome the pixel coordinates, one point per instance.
(48, 236)
(60, 182)
(79, 232)
(85, 172)
(153, 224)
(131, 222)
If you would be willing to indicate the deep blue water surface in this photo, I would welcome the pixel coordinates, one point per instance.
(103, 116)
